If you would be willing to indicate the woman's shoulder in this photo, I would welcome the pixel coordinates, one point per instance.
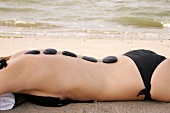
(18, 54)
(20, 60)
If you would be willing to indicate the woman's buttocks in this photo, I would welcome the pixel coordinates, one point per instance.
(160, 82)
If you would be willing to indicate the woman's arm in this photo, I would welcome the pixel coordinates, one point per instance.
(4, 84)
(10, 76)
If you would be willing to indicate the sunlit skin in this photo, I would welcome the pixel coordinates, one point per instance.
(74, 78)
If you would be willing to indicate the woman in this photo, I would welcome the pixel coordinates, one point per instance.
(48, 74)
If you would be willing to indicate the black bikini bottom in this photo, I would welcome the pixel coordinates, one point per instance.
(146, 61)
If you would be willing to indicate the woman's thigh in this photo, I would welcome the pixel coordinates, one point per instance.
(160, 82)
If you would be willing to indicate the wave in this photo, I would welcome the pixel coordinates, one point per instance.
(142, 22)
(27, 24)
(24, 10)
(23, 1)
(166, 24)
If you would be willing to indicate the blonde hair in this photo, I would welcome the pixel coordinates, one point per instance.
(6, 58)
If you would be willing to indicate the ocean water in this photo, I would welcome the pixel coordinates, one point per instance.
(84, 17)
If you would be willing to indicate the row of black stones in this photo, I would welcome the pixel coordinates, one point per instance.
(109, 59)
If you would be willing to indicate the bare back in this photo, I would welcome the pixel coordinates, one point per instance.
(74, 78)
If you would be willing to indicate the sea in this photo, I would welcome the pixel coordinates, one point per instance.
(84, 17)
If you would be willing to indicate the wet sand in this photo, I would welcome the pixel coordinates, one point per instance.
(94, 47)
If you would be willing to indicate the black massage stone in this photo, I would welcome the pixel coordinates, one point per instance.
(110, 59)
(91, 59)
(50, 51)
(34, 52)
(67, 53)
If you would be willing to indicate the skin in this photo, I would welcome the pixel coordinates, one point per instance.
(160, 82)
(74, 78)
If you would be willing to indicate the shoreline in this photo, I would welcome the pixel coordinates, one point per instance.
(109, 34)
(93, 46)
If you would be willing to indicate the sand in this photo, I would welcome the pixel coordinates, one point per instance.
(94, 47)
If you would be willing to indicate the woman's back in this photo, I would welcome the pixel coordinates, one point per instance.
(74, 78)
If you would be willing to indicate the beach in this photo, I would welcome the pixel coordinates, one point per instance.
(97, 47)
(96, 28)
(98, 107)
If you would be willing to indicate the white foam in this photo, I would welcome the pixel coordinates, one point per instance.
(166, 25)
(23, 22)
